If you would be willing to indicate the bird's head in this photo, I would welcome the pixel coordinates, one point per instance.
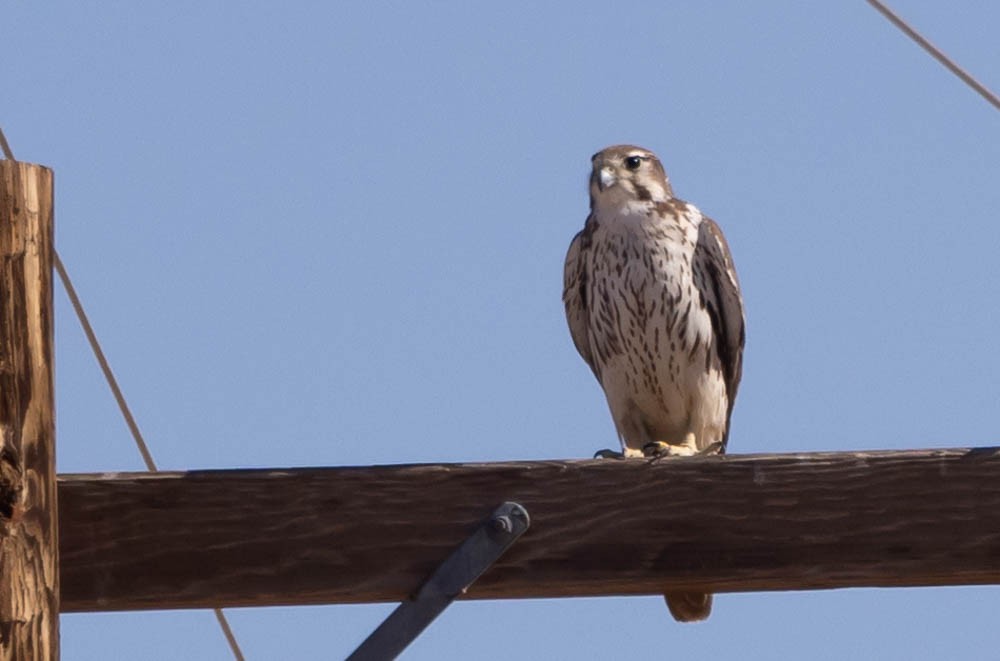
(626, 173)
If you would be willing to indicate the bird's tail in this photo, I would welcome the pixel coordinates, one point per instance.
(689, 606)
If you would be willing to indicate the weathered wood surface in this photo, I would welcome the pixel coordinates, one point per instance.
(29, 580)
(604, 527)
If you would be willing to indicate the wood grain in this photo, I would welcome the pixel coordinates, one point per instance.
(604, 527)
(29, 582)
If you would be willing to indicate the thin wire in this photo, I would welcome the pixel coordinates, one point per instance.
(227, 631)
(6, 147)
(937, 54)
(147, 457)
(140, 442)
(88, 330)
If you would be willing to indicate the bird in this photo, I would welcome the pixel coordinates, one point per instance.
(654, 307)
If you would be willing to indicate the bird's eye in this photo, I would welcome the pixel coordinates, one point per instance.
(633, 162)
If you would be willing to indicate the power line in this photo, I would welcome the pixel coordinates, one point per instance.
(140, 442)
(936, 53)
(109, 376)
(8, 154)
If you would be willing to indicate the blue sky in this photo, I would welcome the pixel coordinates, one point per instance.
(311, 234)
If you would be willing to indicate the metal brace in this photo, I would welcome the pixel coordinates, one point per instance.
(452, 578)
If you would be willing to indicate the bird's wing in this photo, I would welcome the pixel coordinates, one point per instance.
(716, 280)
(575, 293)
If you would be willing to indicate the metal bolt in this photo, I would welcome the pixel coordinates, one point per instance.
(502, 523)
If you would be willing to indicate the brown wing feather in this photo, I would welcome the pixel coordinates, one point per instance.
(720, 290)
(575, 292)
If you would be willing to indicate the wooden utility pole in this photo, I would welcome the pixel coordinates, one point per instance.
(713, 524)
(29, 562)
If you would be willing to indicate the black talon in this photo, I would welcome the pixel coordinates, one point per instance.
(713, 448)
(654, 449)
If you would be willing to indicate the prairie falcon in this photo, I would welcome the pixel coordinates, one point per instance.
(654, 307)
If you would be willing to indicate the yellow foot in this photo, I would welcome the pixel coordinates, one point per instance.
(659, 449)
(713, 448)
(614, 454)
(689, 448)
